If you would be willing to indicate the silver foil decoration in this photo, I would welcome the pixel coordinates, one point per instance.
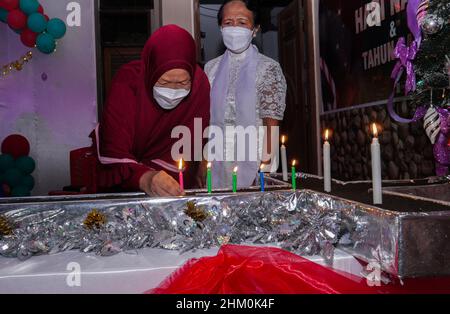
(304, 222)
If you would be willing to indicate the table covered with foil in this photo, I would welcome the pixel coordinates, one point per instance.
(304, 222)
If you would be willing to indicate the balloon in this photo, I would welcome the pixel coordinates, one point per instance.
(46, 43)
(20, 191)
(36, 22)
(3, 15)
(40, 9)
(9, 5)
(28, 38)
(6, 162)
(2, 179)
(13, 177)
(16, 145)
(17, 19)
(29, 6)
(56, 28)
(27, 181)
(25, 164)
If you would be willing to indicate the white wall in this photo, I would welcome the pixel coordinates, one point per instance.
(179, 12)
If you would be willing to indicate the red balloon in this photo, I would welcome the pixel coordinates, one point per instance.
(9, 5)
(28, 38)
(46, 17)
(16, 145)
(17, 19)
(41, 9)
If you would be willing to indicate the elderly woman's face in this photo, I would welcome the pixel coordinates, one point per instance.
(175, 79)
(236, 14)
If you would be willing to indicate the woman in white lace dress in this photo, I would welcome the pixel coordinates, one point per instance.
(248, 89)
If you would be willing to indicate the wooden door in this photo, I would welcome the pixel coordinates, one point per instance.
(300, 121)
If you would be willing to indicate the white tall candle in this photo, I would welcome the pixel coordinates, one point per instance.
(376, 168)
(284, 164)
(327, 163)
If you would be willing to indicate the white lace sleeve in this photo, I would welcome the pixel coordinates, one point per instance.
(272, 93)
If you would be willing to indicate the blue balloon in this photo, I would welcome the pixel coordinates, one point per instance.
(56, 28)
(46, 43)
(6, 162)
(37, 22)
(3, 15)
(29, 6)
(13, 177)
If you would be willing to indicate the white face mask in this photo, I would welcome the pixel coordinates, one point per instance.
(237, 39)
(169, 98)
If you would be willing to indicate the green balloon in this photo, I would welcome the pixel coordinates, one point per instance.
(25, 164)
(46, 43)
(37, 22)
(56, 28)
(6, 162)
(29, 6)
(13, 177)
(2, 179)
(20, 191)
(27, 181)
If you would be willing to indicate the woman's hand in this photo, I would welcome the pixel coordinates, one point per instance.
(159, 183)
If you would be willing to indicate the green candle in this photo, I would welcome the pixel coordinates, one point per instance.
(235, 179)
(294, 176)
(209, 179)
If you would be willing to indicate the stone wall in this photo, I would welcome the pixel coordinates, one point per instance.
(407, 153)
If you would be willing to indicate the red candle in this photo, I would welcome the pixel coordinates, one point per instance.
(181, 177)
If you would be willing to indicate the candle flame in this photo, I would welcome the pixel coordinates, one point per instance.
(209, 165)
(283, 139)
(375, 130)
(327, 135)
(235, 169)
(294, 163)
(180, 165)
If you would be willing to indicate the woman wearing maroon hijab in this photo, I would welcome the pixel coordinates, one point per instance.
(148, 99)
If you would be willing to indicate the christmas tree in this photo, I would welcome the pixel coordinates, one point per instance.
(432, 64)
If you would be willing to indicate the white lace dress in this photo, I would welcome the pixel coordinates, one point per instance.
(271, 98)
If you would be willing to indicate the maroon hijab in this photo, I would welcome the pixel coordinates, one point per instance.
(135, 132)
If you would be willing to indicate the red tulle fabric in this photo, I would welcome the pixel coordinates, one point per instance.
(256, 270)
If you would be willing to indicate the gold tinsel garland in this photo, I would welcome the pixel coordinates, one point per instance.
(6, 226)
(197, 213)
(95, 219)
(17, 64)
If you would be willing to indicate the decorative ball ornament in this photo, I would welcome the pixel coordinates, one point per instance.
(6, 162)
(13, 177)
(28, 38)
(16, 145)
(29, 6)
(3, 15)
(431, 24)
(95, 220)
(56, 28)
(20, 191)
(25, 164)
(46, 43)
(422, 10)
(37, 22)
(432, 124)
(17, 19)
(9, 5)
(28, 182)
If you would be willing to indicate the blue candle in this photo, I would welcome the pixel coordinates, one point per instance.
(261, 178)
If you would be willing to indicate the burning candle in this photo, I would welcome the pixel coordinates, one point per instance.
(327, 163)
(284, 158)
(209, 178)
(376, 168)
(181, 177)
(294, 176)
(235, 179)
(261, 178)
